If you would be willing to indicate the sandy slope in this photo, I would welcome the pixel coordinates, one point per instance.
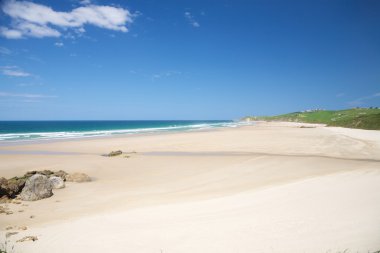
(265, 188)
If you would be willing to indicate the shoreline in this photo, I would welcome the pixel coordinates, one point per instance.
(126, 135)
(118, 135)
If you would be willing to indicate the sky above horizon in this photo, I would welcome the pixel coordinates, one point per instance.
(92, 59)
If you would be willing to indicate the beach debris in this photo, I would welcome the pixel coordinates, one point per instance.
(28, 238)
(23, 228)
(56, 182)
(78, 177)
(9, 234)
(5, 210)
(16, 202)
(21, 211)
(32, 216)
(114, 153)
(5, 200)
(36, 187)
(8, 228)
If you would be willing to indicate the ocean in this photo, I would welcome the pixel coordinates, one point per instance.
(51, 130)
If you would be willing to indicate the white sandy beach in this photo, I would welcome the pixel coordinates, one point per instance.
(271, 187)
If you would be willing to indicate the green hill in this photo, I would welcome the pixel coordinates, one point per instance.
(363, 118)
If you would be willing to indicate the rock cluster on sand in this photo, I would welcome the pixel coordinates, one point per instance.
(78, 177)
(114, 153)
(10, 188)
(37, 187)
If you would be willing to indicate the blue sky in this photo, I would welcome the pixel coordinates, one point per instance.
(72, 59)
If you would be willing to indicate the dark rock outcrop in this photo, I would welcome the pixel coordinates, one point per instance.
(11, 187)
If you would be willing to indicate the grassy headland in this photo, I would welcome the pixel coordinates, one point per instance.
(363, 118)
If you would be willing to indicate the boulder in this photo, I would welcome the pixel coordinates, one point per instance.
(11, 187)
(37, 187)
(56, 182)
(78, 177)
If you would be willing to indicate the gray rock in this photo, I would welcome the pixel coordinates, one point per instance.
(37, 187)
(57, 182)
(78, 177)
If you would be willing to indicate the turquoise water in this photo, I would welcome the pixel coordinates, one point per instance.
(47, 130)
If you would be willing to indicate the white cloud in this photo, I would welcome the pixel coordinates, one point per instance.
(36, 20)
(37, 30)
(191, 19)
(59, 44)
(10, 33)
(13, 71)
(24, 95)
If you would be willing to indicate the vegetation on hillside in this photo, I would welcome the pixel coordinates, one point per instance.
(363, 118)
